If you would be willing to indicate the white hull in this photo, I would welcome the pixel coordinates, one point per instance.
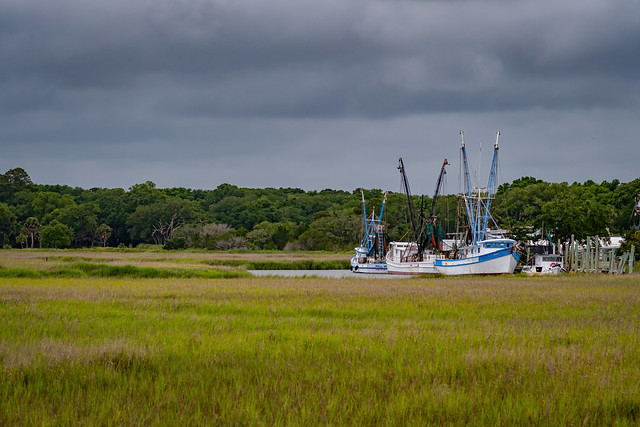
(369, 268)
(412, 267)
(361, 263)
(501, 261)
(401, 259)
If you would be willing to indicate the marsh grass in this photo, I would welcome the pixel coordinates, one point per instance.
(45, 263)
(85, 269)
(505, 350)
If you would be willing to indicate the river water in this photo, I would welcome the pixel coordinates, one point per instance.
(335, 274)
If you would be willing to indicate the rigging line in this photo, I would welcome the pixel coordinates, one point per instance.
(459, 171)
(405, 210)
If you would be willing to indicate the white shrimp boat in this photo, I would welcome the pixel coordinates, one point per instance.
(418, 256)
(485, 254)
(402, 258)
(493, 256)
(369, 257)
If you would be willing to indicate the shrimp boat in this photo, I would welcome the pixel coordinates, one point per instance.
(488, 252)
(370, 255)
(420, 255)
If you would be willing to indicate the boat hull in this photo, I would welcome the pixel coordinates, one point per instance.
(402, 258)
(411, 267)
(498, 262)
(368, 267)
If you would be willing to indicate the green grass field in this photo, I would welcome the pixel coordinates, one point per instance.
(508, 350)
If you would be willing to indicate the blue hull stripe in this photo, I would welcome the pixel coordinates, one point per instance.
(476, 259)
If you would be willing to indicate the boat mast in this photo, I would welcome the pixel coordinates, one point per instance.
(407, 192)
(425, 237)
(438, 188)
(380, 229)
(491, 187)
(468, 196)
(384, 200)
(365, 238)
(373, 229)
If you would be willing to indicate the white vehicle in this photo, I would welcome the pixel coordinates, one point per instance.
(545, 264)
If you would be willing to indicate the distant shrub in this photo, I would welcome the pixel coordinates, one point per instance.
(175, 243)
(148, 246)
(56, 235)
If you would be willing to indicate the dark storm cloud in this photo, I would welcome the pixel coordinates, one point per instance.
(155, 82)
(314, 59)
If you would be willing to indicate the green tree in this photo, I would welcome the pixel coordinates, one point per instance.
(22, 238)
(632, 237)
(268, 235)
(83, 219)
(335, 230)
(204, 235)
(17, 177)
(115, 208)
(45, 202)
(158, 221)
(103, 233)
(12, 182)
(145, 194)
(8, 221)
(572, 212)
(56, 235)
(32, 229)
(281, 235)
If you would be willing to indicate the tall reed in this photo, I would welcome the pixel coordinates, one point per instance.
(506, 350)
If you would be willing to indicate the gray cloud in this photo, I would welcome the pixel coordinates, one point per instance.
(296, 92)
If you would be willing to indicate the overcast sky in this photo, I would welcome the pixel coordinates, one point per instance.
(317, 93)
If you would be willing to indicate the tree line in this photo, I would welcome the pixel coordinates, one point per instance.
(230, 217)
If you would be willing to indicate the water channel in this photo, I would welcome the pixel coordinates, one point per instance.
(334, 274)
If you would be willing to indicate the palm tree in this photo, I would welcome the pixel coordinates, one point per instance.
(103, 232)
(32, 228)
